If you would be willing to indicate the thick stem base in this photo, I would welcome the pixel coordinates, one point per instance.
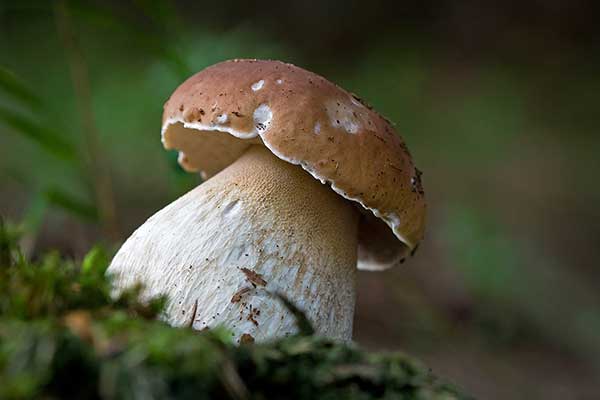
(260, 226)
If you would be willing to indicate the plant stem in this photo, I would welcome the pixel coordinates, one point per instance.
(96, 163)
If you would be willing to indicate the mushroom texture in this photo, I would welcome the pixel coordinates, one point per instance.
(305, 182)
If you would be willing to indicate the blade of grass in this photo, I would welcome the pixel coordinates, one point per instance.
(5, 246)
(98, 168)
(66, 201)
(154, 40)
(45, 137)
(17, 89)
(32, 220)
(305, 327)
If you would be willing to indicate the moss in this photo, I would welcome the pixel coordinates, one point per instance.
(63, 336)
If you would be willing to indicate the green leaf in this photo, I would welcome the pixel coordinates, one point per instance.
(13, 86)
(45, 137)
(68, 202)
(95, 261)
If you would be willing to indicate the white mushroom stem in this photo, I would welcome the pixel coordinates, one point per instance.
(260, 226)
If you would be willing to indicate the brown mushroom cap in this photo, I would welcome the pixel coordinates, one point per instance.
(306, 120)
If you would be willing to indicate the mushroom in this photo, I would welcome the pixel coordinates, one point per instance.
(305, 182)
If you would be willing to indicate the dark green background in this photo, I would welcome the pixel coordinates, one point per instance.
(499, 104)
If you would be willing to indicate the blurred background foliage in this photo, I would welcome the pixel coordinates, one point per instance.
(498, 104)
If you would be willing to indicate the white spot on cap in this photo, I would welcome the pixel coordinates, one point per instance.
(222, 119)
(343, 116)
(279, 81)
(258, 85)
(262, 118)
(317, 128)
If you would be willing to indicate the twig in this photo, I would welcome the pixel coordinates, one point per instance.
(97, 167)
(194, 311)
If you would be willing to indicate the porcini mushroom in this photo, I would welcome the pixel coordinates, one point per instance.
(305, 182)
